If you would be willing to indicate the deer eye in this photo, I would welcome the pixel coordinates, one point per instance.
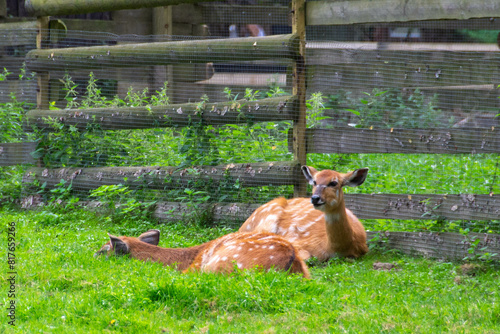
(314, 183)
(333, 184)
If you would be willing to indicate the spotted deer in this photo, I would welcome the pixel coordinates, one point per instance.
(235, 250)
(319, 226)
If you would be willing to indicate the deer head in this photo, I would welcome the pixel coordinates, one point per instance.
(327, 194)
(120, 245)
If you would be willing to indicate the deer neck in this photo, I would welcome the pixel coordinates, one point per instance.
(181, 257)
(337, 224)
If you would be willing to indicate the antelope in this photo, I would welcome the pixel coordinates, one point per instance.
(320, 226)
(235, 250)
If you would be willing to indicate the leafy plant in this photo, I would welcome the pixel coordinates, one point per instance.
(120, 203)
(392, 108)
(198, 211)
(60, 198)
(315, 110)
(473, 243)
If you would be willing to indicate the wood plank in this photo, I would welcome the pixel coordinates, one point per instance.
(346, 65)
(245, 79)
(164, 53)
(331, 46)
(424, 206)
(3, 8)
(16, 153)
(69, 7)
(25, 90)
(240, 111)
(410, 141)
(219, 13)
(235, 213)
(19, 32)
(164, 178)
(363, 11)
(449, 246)
(489, 23)
(94, 26)
(299, 89)
(42, 37)
(399, 206)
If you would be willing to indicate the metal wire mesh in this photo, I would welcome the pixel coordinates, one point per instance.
(415, 102)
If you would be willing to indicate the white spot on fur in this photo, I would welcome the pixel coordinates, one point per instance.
(271, 257)
(213, 260)
(271, 247)
(239, 265)
(224, 258)
(236, 255)
(274, 229)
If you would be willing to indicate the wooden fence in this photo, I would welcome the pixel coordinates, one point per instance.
(340, 140)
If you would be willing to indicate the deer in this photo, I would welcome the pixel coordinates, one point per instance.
(319, 226)
(243, 251)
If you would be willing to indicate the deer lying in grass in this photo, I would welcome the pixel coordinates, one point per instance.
(320, 226)
(240, 250)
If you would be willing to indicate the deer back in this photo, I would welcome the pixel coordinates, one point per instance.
(248, 251)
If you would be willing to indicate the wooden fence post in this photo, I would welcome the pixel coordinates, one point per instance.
(42, 95)
(299, 89)
(162, 25)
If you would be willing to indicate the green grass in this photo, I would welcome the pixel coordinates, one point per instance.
(62, 288)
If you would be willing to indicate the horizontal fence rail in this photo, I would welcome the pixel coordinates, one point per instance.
(164, 53)
(447, 246)
(362, 11)
(68, 7)
(424, 206)
(163, 178)
(402, 64)
(216, 113)
(380, 206)
(409, 141)
(17, 153)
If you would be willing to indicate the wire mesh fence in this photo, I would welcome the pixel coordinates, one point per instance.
(209, 118)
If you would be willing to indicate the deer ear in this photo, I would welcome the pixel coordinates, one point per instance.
(119, 246)
(355, 178)
(309, 173)
(151, 237)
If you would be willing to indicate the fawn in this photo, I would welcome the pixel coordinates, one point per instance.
(235, 250)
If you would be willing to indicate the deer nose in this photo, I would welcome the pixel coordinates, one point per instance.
(316, 200)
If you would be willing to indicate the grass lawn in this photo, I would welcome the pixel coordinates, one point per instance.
(61, 288)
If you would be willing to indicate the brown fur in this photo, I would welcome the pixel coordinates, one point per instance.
(319, 231)
(235, 250)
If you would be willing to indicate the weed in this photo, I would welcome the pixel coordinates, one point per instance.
(120, 203)
(393, 109)
(316, 108)
(198, 210)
